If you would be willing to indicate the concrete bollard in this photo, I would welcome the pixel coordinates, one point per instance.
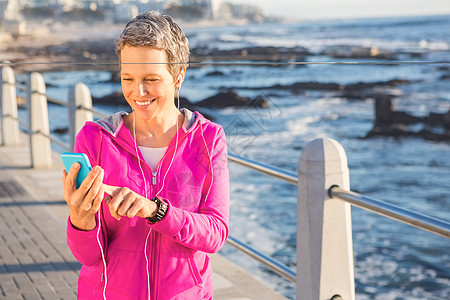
(324, 231)
(79, 98)
(10, 121)
(41, 156)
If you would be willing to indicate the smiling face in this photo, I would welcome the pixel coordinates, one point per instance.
(147, 84)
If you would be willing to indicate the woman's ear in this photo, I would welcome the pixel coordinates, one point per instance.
(180, 78)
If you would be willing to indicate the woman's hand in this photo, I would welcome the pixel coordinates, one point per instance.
(125, 202)
(85, 201)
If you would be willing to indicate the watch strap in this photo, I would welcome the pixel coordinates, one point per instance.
(161, 210)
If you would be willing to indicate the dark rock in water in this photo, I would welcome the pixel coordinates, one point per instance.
(391, 123)
(298, 86)
(115, 77)
(429, 135)
(348, 51)
(115, 99)
(368, 85)
(61, 130)
(343, 88)
(446, 120)
(185, 103)
(261, 54)
(215, 73)
(364, 95)
(232, 99)
(383, 112)
(395, 130)
(401, 117)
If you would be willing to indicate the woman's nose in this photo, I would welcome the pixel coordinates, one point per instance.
(140, 90)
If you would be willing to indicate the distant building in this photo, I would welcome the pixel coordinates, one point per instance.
(10, 10)
(210, 8)
(245, 11)
(144, 5)
(123, 13)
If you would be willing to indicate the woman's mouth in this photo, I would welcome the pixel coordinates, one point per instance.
(143, 103)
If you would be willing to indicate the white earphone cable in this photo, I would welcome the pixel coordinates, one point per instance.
(146, 196)
(176, 138)
(103, 254)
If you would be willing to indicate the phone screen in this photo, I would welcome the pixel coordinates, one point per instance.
(70, 158)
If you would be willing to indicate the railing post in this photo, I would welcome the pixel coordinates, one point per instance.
(41, 156)
(324, 232)
(79, 98)
(10, 121)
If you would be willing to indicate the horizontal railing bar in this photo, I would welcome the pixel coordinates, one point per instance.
(21, 87)
(269, 262)
(266, 169)
(391, 211)
(21, 121)
(59, 142)
(95, 112)
(56, 101)
(242, 63)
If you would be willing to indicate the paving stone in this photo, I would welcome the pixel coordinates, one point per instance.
(46, 291)
(37, 277)
(22, 282)
(30, 295)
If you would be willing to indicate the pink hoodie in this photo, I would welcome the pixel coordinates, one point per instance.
(196, 222)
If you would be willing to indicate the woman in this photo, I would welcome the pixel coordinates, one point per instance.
(165, 173)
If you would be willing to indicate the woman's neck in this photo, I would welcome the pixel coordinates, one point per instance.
(156, 132)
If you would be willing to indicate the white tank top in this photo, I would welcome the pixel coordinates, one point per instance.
(152, 156)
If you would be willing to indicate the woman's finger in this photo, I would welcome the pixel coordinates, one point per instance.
(126, 203)
(110, 189)
(98, 199)
(71, 177)
(114, 213)
(64, 176)
(115, 201)
(138, 205)
(91, 196)
(89, 180)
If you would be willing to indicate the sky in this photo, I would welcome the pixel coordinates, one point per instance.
(338, 9)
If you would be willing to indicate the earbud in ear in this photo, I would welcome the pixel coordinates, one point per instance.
(180, 80)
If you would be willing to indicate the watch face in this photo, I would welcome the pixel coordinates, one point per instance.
(162, 209)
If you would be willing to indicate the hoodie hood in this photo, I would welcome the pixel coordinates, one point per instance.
(113, 123)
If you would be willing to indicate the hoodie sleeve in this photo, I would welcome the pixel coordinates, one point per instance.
(206, 230)
(84, 244)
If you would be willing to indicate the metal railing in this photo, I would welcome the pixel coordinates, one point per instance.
(265, 169)
(333, 191)
(394, 212)
(267, 261)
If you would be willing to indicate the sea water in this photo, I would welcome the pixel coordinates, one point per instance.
(392, 260)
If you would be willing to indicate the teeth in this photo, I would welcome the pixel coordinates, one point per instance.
(144, 103)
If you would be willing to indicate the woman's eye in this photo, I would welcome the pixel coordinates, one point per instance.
(126, 79)
(152, 79)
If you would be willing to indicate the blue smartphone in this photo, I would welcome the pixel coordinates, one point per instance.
(69, 159)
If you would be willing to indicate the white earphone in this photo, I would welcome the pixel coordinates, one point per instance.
(180, 79)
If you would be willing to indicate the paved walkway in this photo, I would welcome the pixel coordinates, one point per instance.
(35, 262)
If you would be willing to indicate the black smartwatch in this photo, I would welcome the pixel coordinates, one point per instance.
(162, 209)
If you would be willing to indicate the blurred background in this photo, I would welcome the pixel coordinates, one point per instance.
(374, 75)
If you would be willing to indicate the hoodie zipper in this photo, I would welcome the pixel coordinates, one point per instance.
(154, 178)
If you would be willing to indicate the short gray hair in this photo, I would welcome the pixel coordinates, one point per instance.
(157, 30)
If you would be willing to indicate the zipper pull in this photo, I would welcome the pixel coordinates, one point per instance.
(154, 178)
